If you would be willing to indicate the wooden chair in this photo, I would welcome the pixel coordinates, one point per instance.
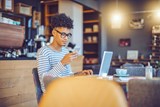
(83, 91)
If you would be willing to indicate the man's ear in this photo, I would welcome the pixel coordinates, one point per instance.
(53, 32)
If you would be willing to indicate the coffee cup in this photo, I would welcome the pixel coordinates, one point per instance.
(121, 71)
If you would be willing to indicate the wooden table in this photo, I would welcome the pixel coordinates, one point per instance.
(120, 80)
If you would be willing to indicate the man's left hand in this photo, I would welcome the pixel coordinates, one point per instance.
(85, 72)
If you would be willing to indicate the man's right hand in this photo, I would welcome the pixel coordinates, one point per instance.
(67, 59)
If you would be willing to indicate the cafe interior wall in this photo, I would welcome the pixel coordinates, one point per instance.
(140, 38)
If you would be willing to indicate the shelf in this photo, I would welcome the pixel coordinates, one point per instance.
(49, 15)
(91, 36)
(50, 9)
(89, 53)
(88, 11)
(157, 40)
(156, 54)
(90, 21)
(11, 24)
(13, 13)
(90, 32)
(90, 63)
(90, 43)
(118, 63)
(155, 33)
(49, 2)
(155, 45)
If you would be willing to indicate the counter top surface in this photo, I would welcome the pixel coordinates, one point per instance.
(19, 58)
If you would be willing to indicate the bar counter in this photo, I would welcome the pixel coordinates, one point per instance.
(16, 82)
(18, 58)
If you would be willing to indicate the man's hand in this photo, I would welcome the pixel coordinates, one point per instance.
(84, 72)
(67, 59)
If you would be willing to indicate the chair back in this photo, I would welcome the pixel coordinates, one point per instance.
(158, 72)
(134, 69)
(83, 91)
(144, 93)
(37, 84)
(131, 65)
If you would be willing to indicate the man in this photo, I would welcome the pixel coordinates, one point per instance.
(54, 60)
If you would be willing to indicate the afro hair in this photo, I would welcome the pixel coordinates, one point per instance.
(61, 20)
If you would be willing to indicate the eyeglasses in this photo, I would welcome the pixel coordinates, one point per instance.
(63, 34)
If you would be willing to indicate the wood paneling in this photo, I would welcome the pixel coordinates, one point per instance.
(16, 83)
(11, 35)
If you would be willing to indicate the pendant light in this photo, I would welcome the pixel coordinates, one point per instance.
(116, 19)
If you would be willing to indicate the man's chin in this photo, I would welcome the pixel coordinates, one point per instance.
(64, 44)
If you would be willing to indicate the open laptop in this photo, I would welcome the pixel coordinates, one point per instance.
(105, 64)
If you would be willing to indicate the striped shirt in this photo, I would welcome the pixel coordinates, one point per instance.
(49, 64)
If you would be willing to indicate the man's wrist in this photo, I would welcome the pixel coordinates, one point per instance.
(78, 73)
(63, 63)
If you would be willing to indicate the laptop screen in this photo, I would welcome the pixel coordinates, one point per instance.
(105, 64)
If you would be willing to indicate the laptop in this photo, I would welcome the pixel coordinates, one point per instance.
(105, 64)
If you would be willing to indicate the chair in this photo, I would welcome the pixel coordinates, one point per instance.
(158, 72)
(134, 69)
(144, 93)
(37, 84)
(83, 91)
(131, 65)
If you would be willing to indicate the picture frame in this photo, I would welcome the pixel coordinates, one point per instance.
(132, 54)
(124, 42)
(8, 5)
(136, 23)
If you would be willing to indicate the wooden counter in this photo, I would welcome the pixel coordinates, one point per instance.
(16, 83)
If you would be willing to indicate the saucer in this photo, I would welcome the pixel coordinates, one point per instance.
(116, 75)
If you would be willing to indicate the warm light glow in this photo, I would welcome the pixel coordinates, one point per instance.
(116, 20)
(158, 13)
(116, 17)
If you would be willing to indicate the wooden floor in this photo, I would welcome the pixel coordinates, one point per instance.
(16, 83)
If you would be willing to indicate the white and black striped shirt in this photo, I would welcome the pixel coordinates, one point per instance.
(49, 64)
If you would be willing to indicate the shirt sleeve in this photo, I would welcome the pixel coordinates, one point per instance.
(44, 67)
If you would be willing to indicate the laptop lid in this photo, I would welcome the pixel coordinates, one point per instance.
(105, 64)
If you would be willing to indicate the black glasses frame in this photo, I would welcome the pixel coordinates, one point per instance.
(63, 34)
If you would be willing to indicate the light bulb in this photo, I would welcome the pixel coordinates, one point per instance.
(116, 20)
(117, 17)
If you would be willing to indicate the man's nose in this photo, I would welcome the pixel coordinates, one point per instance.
(66, 37)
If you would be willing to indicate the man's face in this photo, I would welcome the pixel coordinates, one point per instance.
(61, 35)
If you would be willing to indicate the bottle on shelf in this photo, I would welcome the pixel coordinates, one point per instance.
(148, 71)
